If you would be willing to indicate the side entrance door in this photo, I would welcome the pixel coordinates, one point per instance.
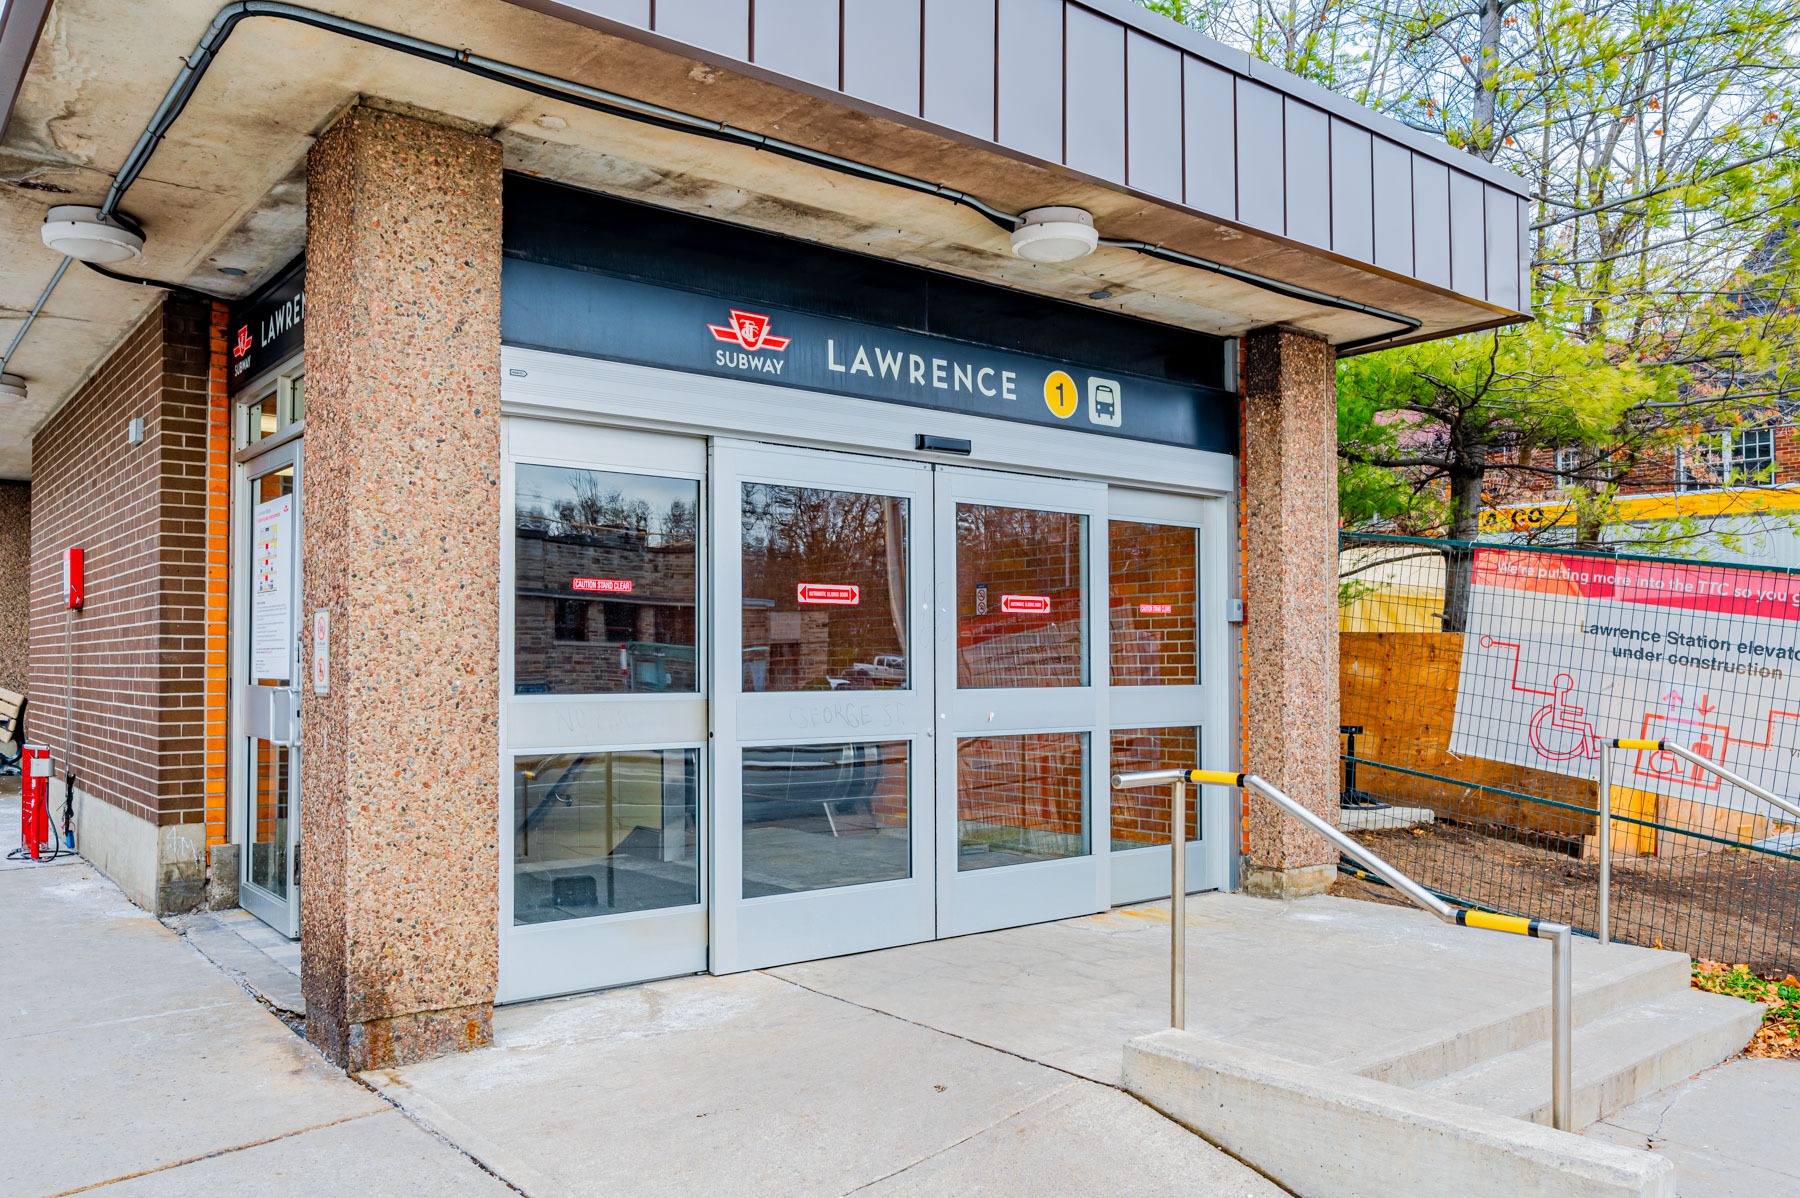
(268, 541)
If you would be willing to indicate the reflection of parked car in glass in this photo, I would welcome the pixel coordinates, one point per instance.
(798, 782)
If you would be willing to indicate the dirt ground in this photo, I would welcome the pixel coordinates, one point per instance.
(1731, 905)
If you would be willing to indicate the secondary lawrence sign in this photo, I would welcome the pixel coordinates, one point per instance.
(1563, 652)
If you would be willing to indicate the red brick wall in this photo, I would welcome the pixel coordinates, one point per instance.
(15, 566)
(137, 649)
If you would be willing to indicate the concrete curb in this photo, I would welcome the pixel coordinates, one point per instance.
(1325, 1134)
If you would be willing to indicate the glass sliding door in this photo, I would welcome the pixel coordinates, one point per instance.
(603, 722)
(823, 717)
(1021, 724)
(1164, 709)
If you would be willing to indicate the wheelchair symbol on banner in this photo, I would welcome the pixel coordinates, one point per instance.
(1558, 730)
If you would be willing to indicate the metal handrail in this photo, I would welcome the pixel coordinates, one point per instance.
(1603, 829)
(1561, 936)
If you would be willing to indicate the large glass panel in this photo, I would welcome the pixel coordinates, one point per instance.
(1020, 597)
(1020, 799)
(604, 568)
(268, 774)
(1140, 817)
(602, 833)
(1155, 572)
(817, 816)
(825, 599)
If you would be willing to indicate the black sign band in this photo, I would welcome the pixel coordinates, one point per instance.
(269, 328)
(574, 311)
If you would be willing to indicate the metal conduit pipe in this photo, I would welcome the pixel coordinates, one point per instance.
(31, 316)
(195, 66)
(1561, 936)
(1292, 291)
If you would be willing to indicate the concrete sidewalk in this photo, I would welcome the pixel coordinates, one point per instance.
(1730, 1130)
(983, 1065)
(135, 1067)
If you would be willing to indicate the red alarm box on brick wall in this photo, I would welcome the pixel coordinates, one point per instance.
(72, 581)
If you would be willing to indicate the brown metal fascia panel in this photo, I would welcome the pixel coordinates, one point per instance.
(1249, 71)
(21, 24)
(1499, 322)
(1124, 12)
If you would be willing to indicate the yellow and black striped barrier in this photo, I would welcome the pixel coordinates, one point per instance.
(1495, 922)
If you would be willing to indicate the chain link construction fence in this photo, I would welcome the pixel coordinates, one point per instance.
(1479, 685)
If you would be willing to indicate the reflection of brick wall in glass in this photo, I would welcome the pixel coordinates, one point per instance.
(1153, 600)
(825, 598)
(1020, 582)
(1140, 817)
(604, 572)
(1020, 798)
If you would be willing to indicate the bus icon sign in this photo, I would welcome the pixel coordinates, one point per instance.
(1106, 406)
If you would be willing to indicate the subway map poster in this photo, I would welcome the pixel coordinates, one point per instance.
(1562, 652)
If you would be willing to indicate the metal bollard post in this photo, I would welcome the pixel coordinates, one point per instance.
(1178, 905)
(1562, 997)
(1603, 913)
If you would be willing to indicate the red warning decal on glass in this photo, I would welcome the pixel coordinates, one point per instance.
(1024, 603)
(1155, 609)
(611, 586)
(847, 595)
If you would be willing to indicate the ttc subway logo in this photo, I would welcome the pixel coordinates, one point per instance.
(750, 330)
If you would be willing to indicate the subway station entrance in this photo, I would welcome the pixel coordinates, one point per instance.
(834, 590)
(766, 703)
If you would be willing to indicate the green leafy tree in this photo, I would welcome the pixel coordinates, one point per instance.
(1662, 141)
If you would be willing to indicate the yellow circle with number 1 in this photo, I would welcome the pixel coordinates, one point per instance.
(1060, 395)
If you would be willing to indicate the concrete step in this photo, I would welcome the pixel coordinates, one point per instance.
(1606, 981)
(1618, 1059)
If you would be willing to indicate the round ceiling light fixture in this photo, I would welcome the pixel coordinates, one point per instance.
(11, 387)
(81, 232)
(1054, 235)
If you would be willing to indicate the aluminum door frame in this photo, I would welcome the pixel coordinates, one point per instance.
(269, 713)
(749, 933)
(569, 956)
(1009, 896)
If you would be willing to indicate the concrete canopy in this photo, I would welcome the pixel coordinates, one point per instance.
(224, 190)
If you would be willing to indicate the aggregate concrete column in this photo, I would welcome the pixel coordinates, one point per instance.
(398, 906)
(1290, 631)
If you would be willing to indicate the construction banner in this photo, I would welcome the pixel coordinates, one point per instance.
(1563, 651)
